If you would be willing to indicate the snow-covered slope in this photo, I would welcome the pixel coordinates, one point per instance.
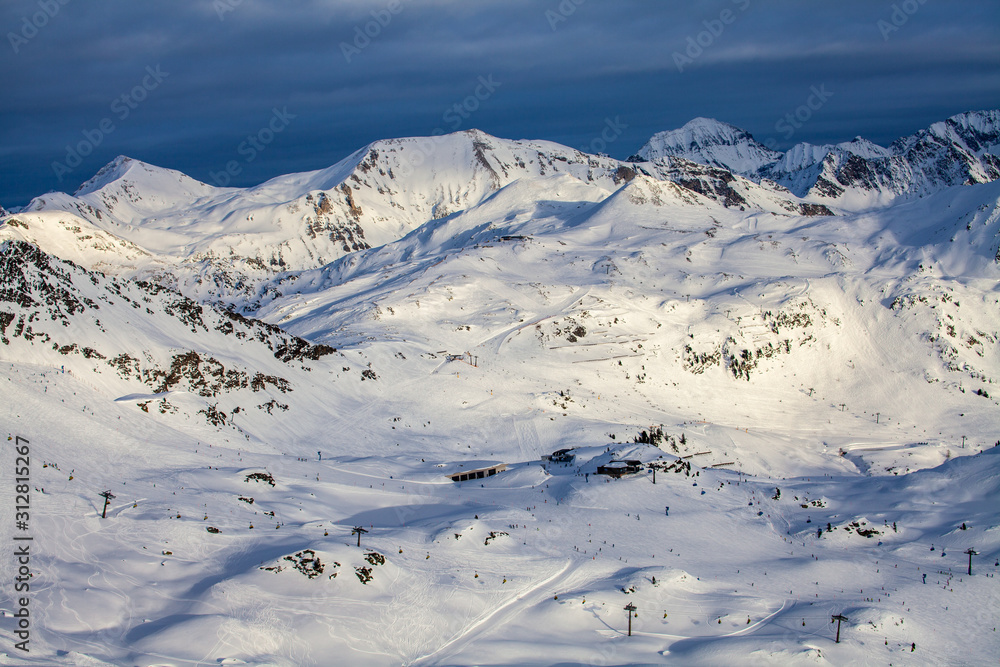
(143, 342)
(820, 390)
(76, 239)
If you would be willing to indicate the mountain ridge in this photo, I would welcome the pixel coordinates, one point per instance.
(960, 150)
(222, 244)
(373, 197)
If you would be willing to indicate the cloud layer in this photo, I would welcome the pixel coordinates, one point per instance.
(354, 71)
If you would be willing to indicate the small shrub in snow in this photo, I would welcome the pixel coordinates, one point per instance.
(260, 477)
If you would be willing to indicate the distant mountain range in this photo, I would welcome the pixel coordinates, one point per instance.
(963, 150)
(222, 243)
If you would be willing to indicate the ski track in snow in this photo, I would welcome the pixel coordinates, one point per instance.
(467, 632)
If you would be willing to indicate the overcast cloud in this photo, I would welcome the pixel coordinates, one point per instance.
(558, 71)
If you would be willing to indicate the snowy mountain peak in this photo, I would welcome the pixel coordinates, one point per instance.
(128, 192)
(709, 127)
(977, 132)
(712, 142)
(107, 174)
(981, 124)
(124, 169)
(864, 148)
(804, 155)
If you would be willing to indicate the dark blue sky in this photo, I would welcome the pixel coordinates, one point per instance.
(74, 73)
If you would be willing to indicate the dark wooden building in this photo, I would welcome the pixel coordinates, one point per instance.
(620, 468)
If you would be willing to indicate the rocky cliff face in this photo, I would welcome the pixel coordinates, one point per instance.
(135, 336)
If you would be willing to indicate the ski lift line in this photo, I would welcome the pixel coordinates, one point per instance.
(678, 611)
(786, 604)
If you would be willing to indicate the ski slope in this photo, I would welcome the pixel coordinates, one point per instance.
(816, 392)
